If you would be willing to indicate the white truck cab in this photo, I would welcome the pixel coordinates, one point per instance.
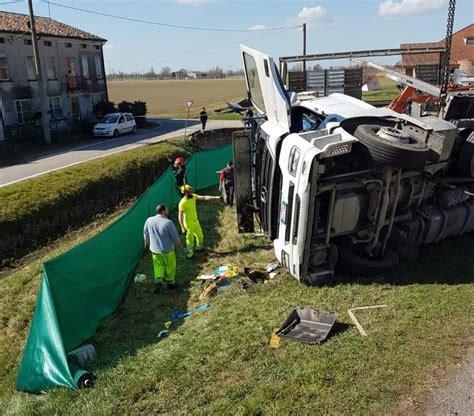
(337, 181)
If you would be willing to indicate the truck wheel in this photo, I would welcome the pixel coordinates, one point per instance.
(353, 263)
(466, 158)
(392, 146)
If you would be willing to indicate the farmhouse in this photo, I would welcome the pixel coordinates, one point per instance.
(72, 67)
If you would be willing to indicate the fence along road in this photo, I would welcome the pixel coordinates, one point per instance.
(103, 147)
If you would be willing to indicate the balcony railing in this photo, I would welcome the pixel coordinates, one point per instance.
(79, 83)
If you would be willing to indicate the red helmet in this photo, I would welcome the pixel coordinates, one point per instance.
(179, 161)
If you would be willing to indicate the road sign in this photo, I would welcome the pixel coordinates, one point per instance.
(189, 103)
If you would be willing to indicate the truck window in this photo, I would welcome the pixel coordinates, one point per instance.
(254, 82)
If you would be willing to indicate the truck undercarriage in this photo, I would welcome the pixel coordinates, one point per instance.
(338, 184)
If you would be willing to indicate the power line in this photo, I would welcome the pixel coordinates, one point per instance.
(149, 22)
(11, 2)
(199, 50)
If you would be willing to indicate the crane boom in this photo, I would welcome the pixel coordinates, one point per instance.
(404, 79)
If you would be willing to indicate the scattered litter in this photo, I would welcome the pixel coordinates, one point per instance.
(272, 267)
(307, 325)
(245, 282)
(206, 277)
(221, 279)
(179, 315)
(84, 355)
(209, 291)
(226, 271)
(224, 284)
(168, 324)
(162, 333)
(356, 322)
(140, 278)
(203, 307)
(275, 340)
(272, 275)
(255, 275)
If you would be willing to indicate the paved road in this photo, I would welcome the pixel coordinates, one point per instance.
(456, 396)
(98, 148)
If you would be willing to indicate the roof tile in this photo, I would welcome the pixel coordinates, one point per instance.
(18, 23)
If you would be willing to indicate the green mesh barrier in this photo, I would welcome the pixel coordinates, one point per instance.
(84, 285)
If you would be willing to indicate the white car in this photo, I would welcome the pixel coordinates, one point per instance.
(115, 124)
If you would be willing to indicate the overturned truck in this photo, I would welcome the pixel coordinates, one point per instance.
(336, 182)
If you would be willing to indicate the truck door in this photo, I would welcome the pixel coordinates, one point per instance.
(265, 88)
(271, 102)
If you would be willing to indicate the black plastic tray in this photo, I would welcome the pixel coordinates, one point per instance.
(307, 325)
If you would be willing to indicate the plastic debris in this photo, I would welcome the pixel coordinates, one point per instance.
(274, 339)
(209, 291)
(162, 333)
(272, 267)
(179, 315)
(140, 278)
(307, 325)
(206, 277)
(168, 324)
(272, 275)
(203, 307)
(226, 271)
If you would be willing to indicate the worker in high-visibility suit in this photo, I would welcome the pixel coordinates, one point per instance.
(189, 221)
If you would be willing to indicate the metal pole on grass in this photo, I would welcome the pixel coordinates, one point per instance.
(39, 76)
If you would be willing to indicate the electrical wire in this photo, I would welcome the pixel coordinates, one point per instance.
(198, 50)
(149, 22)
(11, 2)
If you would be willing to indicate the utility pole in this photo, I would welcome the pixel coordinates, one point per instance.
(304, 53)
(39, 77)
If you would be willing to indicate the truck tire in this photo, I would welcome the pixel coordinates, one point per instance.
(352, 263)
(466, 158)
(404, 151)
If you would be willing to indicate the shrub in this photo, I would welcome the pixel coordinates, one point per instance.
(137, 108)
(36, 211)
(104, 107)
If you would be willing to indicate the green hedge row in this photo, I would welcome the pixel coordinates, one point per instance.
(39, 210)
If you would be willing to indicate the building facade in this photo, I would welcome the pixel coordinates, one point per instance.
(426, 66)
(72, 64)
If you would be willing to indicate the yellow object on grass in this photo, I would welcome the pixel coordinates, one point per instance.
(275, 340)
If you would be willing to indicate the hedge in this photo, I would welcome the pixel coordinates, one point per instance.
(39, 210)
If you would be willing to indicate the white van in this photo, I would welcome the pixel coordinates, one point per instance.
(115, 124)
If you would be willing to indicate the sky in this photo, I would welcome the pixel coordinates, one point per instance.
(332, 26)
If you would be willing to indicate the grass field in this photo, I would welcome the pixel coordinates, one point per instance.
(168, 98)
(218, 361)
(388, 91)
